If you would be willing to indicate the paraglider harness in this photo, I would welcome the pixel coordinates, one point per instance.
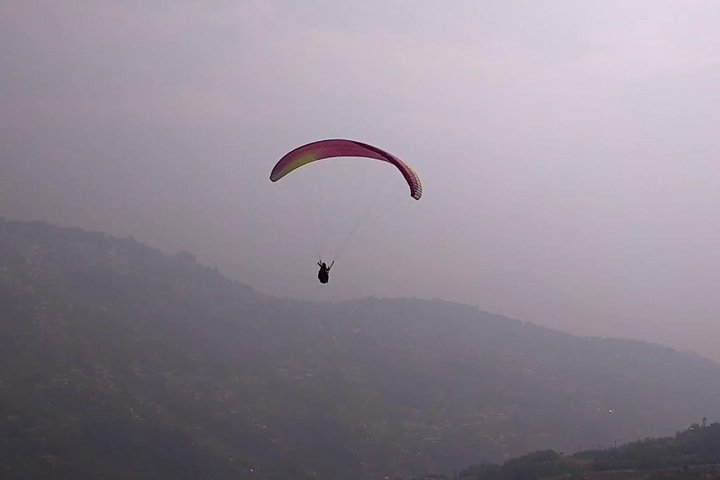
(324, 273)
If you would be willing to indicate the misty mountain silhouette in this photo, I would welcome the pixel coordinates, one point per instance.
(118, 361)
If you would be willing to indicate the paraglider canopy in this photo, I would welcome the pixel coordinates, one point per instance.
(343, 148)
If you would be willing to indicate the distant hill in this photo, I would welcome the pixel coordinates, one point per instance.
(693, 454)
(120, 362)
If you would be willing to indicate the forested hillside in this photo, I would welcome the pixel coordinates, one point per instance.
(120, 362)
(693, 454)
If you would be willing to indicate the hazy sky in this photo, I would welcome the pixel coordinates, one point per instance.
(569, 150)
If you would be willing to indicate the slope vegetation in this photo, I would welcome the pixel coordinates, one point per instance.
(121, 362)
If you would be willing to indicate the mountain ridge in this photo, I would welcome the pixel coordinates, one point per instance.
(124, 338)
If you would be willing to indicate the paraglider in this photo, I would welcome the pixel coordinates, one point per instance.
(324, 273)
(333, 148)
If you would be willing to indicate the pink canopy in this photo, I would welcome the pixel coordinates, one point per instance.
(343, 148)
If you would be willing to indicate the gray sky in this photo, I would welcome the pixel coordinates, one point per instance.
(570, 150)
